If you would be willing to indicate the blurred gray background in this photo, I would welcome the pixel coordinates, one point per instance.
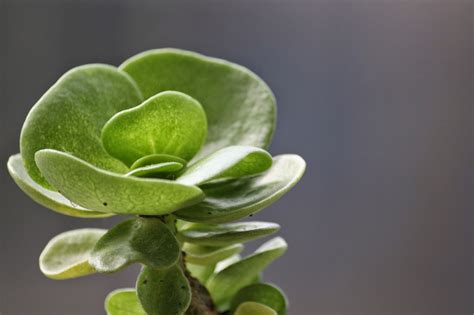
(377, 97)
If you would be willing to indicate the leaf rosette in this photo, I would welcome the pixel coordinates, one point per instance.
(167, 135)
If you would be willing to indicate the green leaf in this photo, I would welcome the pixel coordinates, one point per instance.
(240, 107)
(227, 233)
(207, 255)
(69, 117)
(230, 162)
(200, 272)
(67, 254)
(262, 293)
(47, 198)
(252, 308)
(156, 159)
(123, 302)
(227, 282)
(145, 240)
(236, 199)
(163, 292)
(101, 190)
(153, 170)
(170, 123)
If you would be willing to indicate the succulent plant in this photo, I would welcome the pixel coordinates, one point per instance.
(177, 140)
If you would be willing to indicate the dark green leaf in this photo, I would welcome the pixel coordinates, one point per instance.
(145, 240)
(163, 292)
(100, 190)
(240, 107)
(70, 116)
(236, 199)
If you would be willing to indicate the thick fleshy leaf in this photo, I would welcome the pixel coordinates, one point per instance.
(230, 162)
(145, 240)
(240, 107)
(47, 198)
(221, 265)
(200, 272)
(69, 117)
(156, 159)
(262, 293)
(226, 283)
(66, 255)
(236, 199)
(208, 255)
(101, 190)
(253, 308)
(227, 233)
(123, 302)
(170, 123)
(163, 292)
(156, 169)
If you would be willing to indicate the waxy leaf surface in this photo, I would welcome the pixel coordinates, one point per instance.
(236, 199)
(226, 233)
(156, 159)
(230, 162)
(208, 255)
(262, 293)
(163, 292)
(123, 302)
(155, 170)
(67, 254)
(100, 190)
(145, 240)
(227, 282)
(253, 308)
(170, 123)
(47, 198)
(69, 117)
(239, 106)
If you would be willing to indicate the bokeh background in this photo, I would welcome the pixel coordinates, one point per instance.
(377, 96)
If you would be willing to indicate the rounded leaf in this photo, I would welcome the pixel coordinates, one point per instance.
(101, 190)
(170, 123)
(69, 117)
(252, 308)
(237, 199)
(123, 302)
(145, 240)
(230, 162)
(227, 282)
(239, 106)
(156, 159)
(262, 293)
(227, 233)
(47, 198)
(153, 170)
(208, 255)
(67, 254)
(163, 292)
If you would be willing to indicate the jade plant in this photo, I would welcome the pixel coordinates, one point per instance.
(176, 141)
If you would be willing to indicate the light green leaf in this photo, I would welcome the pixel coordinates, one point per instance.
(221, 265)
(252, 308)
(145, 240)
(170, 123)
(236, 199)
(66, 255)
(69, 117)
(123, 302)
(240, 107)
(163, 292)
(47, 198)
(207, 255)
(200, 272)
(227, 282)
(227, 233)
(100, 190)
(153, 170)
(230, 162)
(156, 159)
(262, 293)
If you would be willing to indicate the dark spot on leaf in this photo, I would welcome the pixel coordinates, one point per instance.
(105, 203)
(209, 213)
(145, 281)
(183, 287)
(251, 215)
